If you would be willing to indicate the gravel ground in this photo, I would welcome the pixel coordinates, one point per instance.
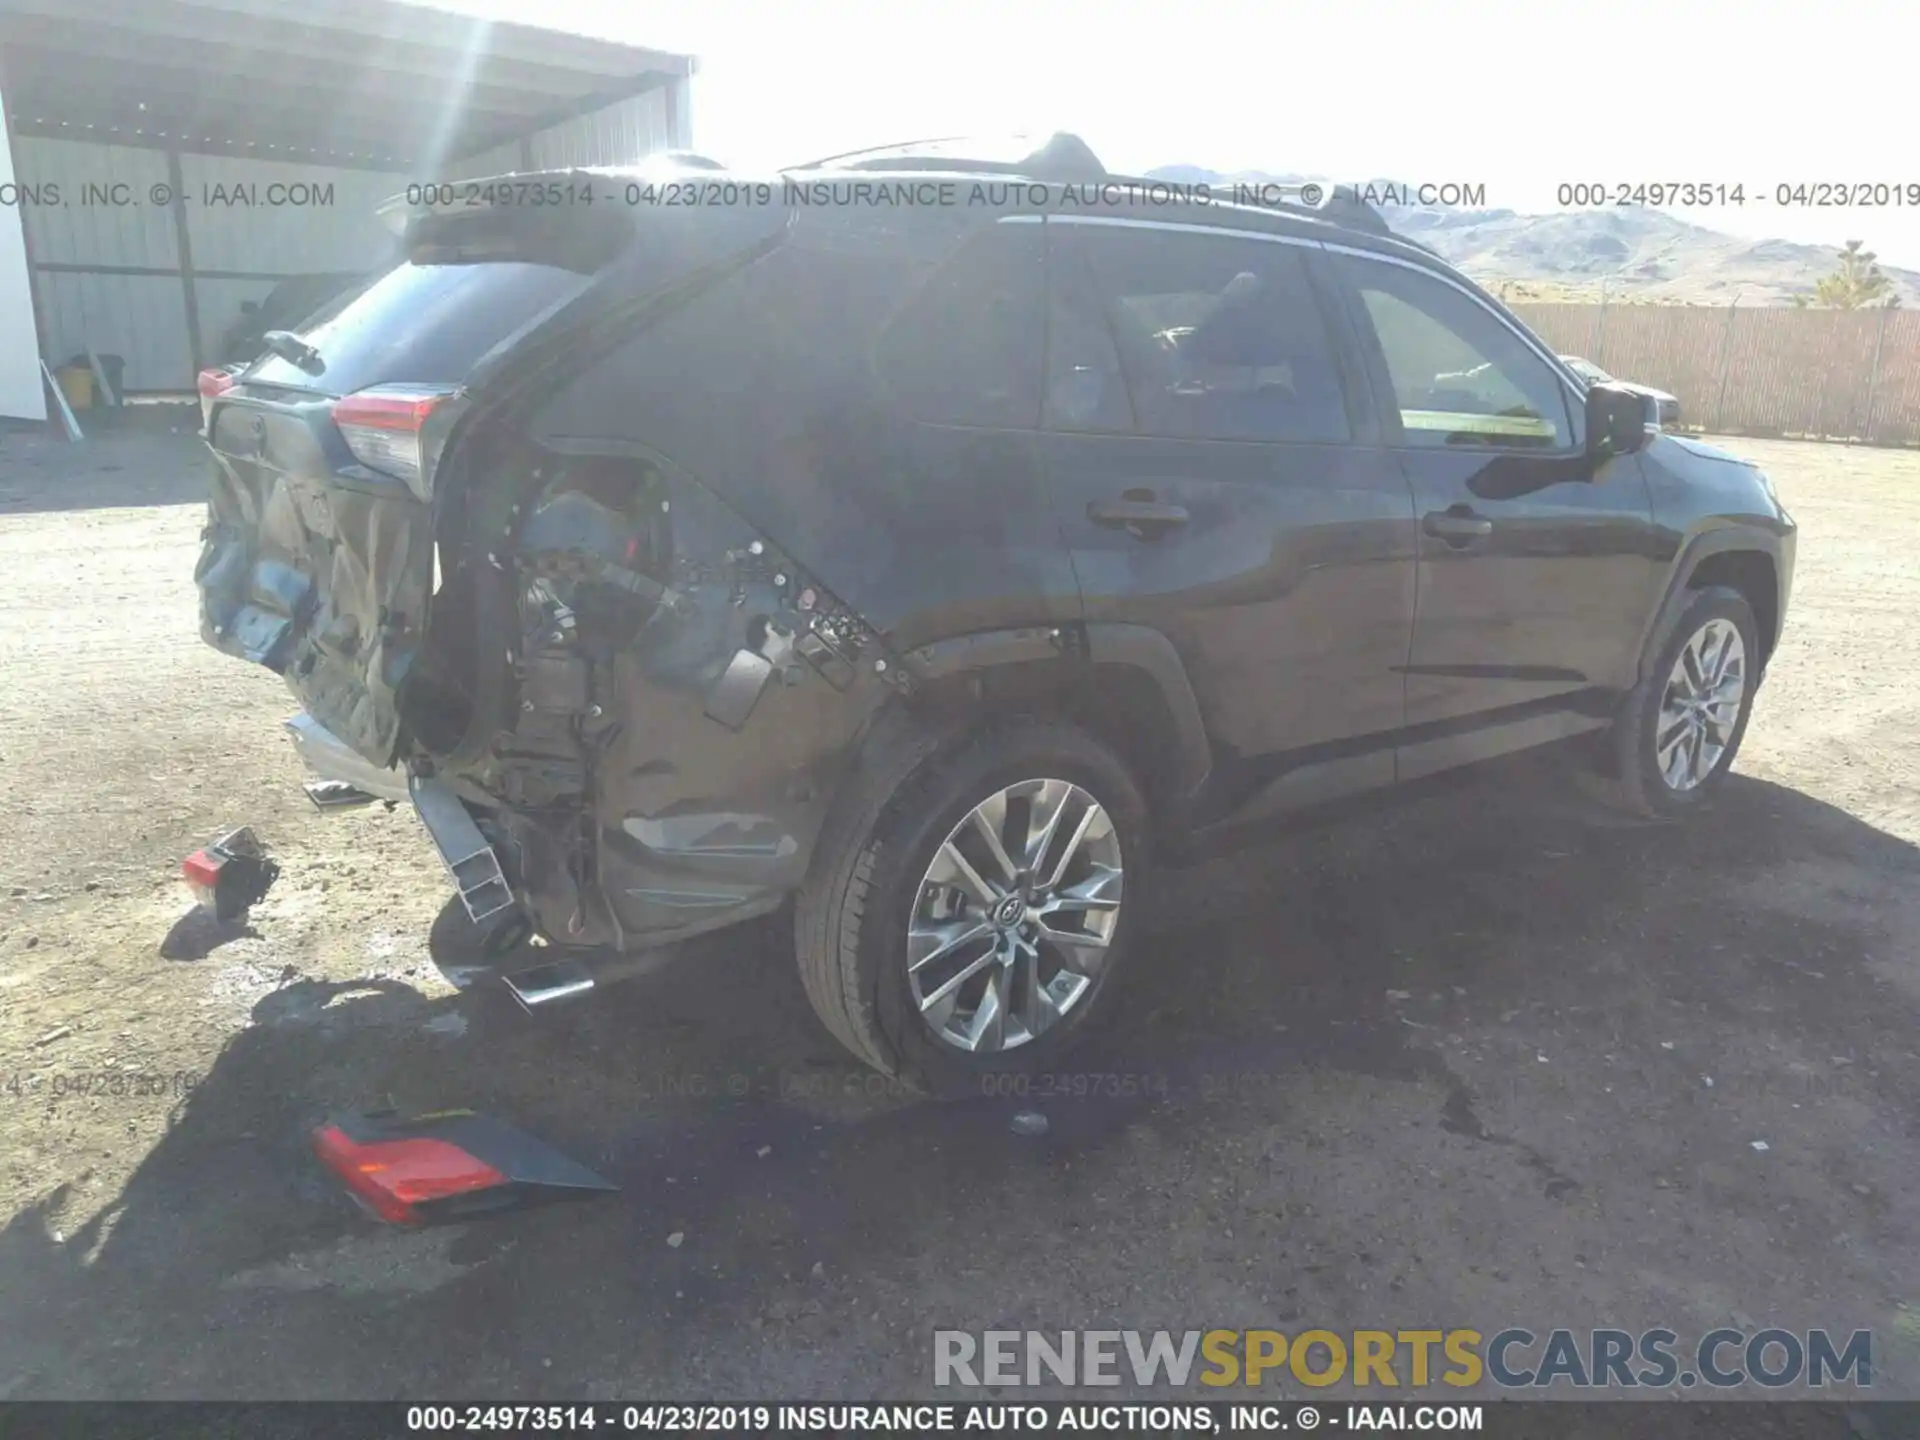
(1493, 1059)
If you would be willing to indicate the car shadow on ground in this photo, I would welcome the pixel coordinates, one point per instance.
(820, 1211)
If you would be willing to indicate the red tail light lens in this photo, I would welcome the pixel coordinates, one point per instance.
(212, 384)
(386, 428)
(393, 1176)
(201, 871)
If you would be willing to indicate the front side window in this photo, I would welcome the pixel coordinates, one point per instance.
(1459, 375)
(1220, 338)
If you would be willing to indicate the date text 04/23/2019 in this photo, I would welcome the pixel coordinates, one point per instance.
(1695, 194)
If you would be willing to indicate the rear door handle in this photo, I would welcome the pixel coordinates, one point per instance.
(1458, 526)
(1143, 517)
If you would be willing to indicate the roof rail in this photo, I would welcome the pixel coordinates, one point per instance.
(1062, 157)
(1338, 205)
(1344, 206)
(1067, 159)
(684, 160)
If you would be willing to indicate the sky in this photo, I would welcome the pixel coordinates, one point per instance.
(1521, 98)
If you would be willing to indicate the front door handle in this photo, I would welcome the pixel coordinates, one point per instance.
(1145, 518)
(1458, 526)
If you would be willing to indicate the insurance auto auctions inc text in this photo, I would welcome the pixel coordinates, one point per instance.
(944, 194)
(1598, 1359)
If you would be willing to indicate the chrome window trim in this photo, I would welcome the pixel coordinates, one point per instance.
(1121, 223)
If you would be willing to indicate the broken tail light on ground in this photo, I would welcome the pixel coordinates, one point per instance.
(446, 1166)
(393, 1177)
(231, 875)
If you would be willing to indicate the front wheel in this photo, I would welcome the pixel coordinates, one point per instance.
(1682, 725)
(970, 922)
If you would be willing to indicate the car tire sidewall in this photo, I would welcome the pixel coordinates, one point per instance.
(1638, 757)
(903, 846)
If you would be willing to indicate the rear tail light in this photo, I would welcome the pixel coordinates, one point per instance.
(231, 875)
(397, 430)
(212, 385)
(202, 873)
(394, 1176)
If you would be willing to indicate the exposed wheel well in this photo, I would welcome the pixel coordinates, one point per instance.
(1120, 705)
(1752, 573)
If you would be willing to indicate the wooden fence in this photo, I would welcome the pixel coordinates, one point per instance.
(1830, 374)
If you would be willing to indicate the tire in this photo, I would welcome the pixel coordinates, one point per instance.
(871, 878)
(1646, 783)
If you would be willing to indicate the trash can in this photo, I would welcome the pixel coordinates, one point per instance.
(76, 384)
(111, 366)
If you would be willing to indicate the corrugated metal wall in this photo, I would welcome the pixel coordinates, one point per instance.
(501, 160)
(326, 218)
(107, 270)
(107, 259)
(104, 300)
(139, 233)
(617, 135)
(141, 318)
(620, 134)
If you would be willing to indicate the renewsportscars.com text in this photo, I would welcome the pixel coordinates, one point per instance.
(1513, 1358)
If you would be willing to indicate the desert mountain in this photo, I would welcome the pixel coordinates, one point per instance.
(1642, 254)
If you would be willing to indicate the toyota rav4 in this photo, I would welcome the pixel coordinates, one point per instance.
(933, 562)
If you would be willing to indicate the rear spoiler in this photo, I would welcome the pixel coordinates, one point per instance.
(468, 196)
(467, 225)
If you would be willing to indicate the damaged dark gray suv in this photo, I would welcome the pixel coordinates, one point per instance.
(936, 547)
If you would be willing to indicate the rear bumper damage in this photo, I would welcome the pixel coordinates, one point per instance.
(469, 857)
(682, 697)
(620, 708)
(331, 759)
(487, 893)
(671, 740)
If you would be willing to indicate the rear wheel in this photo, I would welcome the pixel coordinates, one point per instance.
(968, 919)
(1683, 724)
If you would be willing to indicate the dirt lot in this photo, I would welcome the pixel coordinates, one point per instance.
(1496, 1059)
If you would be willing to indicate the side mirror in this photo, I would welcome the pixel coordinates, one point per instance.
(1616, 421)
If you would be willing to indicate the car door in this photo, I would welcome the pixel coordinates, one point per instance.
(1537, 564)
(1210, 459)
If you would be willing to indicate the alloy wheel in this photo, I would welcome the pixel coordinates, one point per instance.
(1011, 923)
(1701, 706)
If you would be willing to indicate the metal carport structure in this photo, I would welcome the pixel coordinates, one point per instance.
(174, 158)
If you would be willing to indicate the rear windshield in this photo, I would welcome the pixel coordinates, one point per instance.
(423, 324)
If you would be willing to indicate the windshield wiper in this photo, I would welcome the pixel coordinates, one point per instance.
(295, 351)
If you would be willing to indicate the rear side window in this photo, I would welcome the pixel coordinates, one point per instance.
(1460, 376)
(424, 324)
(967, 347)
(1220, 338)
